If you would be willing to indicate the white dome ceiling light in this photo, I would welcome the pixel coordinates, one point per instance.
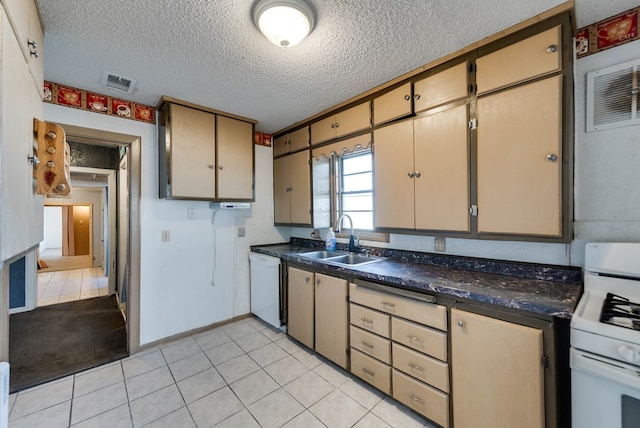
(284, 22)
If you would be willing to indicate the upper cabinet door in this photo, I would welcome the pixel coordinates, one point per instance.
(393, 175)
(25, 17)
(520, 160)
(535, 56)
(193, 153)
(235, 158)
(392, 105)
(442, 160)
(281, 145)
(299, 139)
(440, 88)
(354, 119)
(323, 130)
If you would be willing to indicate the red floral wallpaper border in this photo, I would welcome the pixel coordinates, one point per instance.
(68, 96)
(614, 31)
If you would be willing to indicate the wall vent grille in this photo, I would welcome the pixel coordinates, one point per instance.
(612, 97)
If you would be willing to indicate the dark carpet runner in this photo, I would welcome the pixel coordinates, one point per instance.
(54, 341)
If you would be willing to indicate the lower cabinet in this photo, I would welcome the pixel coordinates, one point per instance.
(399, 345)
(317, 308)
(497, 373)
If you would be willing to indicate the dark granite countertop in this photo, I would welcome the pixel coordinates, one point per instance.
(540, 289)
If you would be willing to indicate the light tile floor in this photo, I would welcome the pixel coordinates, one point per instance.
(69, 285)
(243, 374)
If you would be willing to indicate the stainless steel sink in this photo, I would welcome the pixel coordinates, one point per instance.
(340, 257)
(323, 254)
(353, 259)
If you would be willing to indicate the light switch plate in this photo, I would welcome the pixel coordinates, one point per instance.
(166, 236)
(439, 244)
(241, 232)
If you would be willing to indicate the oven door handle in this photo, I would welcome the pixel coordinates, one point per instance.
(606, 368)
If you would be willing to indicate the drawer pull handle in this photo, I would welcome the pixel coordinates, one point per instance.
(416, 399)
(368, 372)
(386, 303)
(367, 345)
(413, 366)
(366, 321)
(414, 339)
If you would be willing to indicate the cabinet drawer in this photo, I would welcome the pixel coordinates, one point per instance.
(371, 371)
(370, 320)
(423, 339)
(424, 313)
(422, 398)
(371, 344)
(421, 367)
(534, 56)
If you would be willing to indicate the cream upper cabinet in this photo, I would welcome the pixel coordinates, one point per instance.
(489, 364)
(534, 56)
(442, 87)
(422, 172)
(21, 209)
(346, 122)
(331, 318)
(204, 156)
(192, 134)
(519, 144)
(394, 176)
(300, 323)
(392, 105)
(25, 17)
(291, 142)
(292, 189)
(234, 141)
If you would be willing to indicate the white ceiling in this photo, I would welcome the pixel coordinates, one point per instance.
(208, 52)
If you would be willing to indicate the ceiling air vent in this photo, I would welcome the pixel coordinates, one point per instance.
(612, 97)
(118, 83)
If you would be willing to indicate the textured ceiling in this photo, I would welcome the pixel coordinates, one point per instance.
(208, 52)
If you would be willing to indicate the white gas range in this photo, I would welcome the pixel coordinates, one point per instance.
(605, 339)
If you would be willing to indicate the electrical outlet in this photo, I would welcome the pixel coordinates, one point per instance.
(191, 212)
(241, 232)
(166, 236)
(439, 244)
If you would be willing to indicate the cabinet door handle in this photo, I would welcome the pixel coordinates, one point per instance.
(416, 399)
(210, 166)
(552, 48)
(221, 167)
(552, 157)
(333, 125)
(410, 174)
(416, 97)
(413, 366)
(407, 97)
(307, 279)
(387, 303)
(417, 174)
(337, 124)
(461, 323)
(413, 338)
(368, 372)
(367, 345)
(317, 281)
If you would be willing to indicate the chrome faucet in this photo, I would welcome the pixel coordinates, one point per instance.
(352, 238)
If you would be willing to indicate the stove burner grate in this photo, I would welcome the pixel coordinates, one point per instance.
(620, 311)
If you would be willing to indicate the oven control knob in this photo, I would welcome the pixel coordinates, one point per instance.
(629, 353)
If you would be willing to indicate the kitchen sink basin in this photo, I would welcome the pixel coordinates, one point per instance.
(323, 254)
(353, 259)
(340, 257)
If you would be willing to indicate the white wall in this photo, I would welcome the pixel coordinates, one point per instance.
(606, 188)
(176, 290)
(52, 228)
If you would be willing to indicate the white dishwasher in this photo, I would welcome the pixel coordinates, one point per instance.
(265, 288)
